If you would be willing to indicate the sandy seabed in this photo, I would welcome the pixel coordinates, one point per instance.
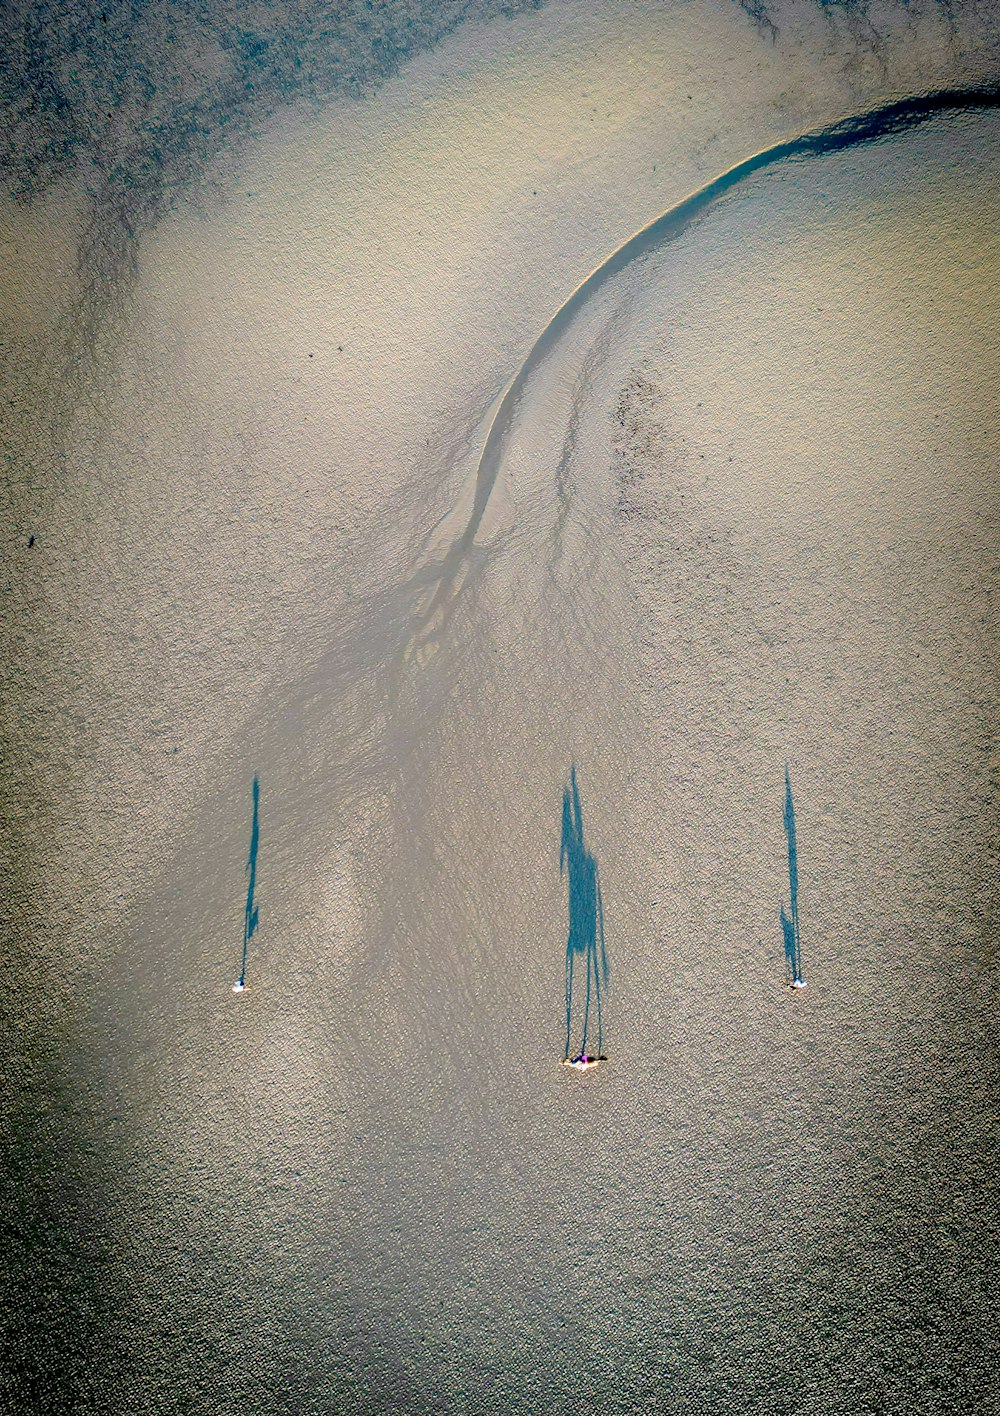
(745, 515)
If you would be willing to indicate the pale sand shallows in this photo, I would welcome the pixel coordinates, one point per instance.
(413, 245)
(746, 515)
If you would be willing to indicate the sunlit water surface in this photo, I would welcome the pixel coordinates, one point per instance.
(745, 516)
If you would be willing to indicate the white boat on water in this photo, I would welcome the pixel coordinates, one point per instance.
(583, 1063)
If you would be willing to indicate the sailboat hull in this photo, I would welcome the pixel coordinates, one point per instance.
(580, 1065)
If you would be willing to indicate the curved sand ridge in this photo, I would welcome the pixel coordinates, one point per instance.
(884, 121)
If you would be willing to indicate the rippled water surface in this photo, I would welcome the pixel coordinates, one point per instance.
(742, 516)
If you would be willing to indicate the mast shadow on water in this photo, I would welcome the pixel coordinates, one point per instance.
(790, 927)
(251, 913)
(585, 940)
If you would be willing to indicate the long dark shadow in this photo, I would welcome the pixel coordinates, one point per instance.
(251, 914)
(790, 927)
(586, 923)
